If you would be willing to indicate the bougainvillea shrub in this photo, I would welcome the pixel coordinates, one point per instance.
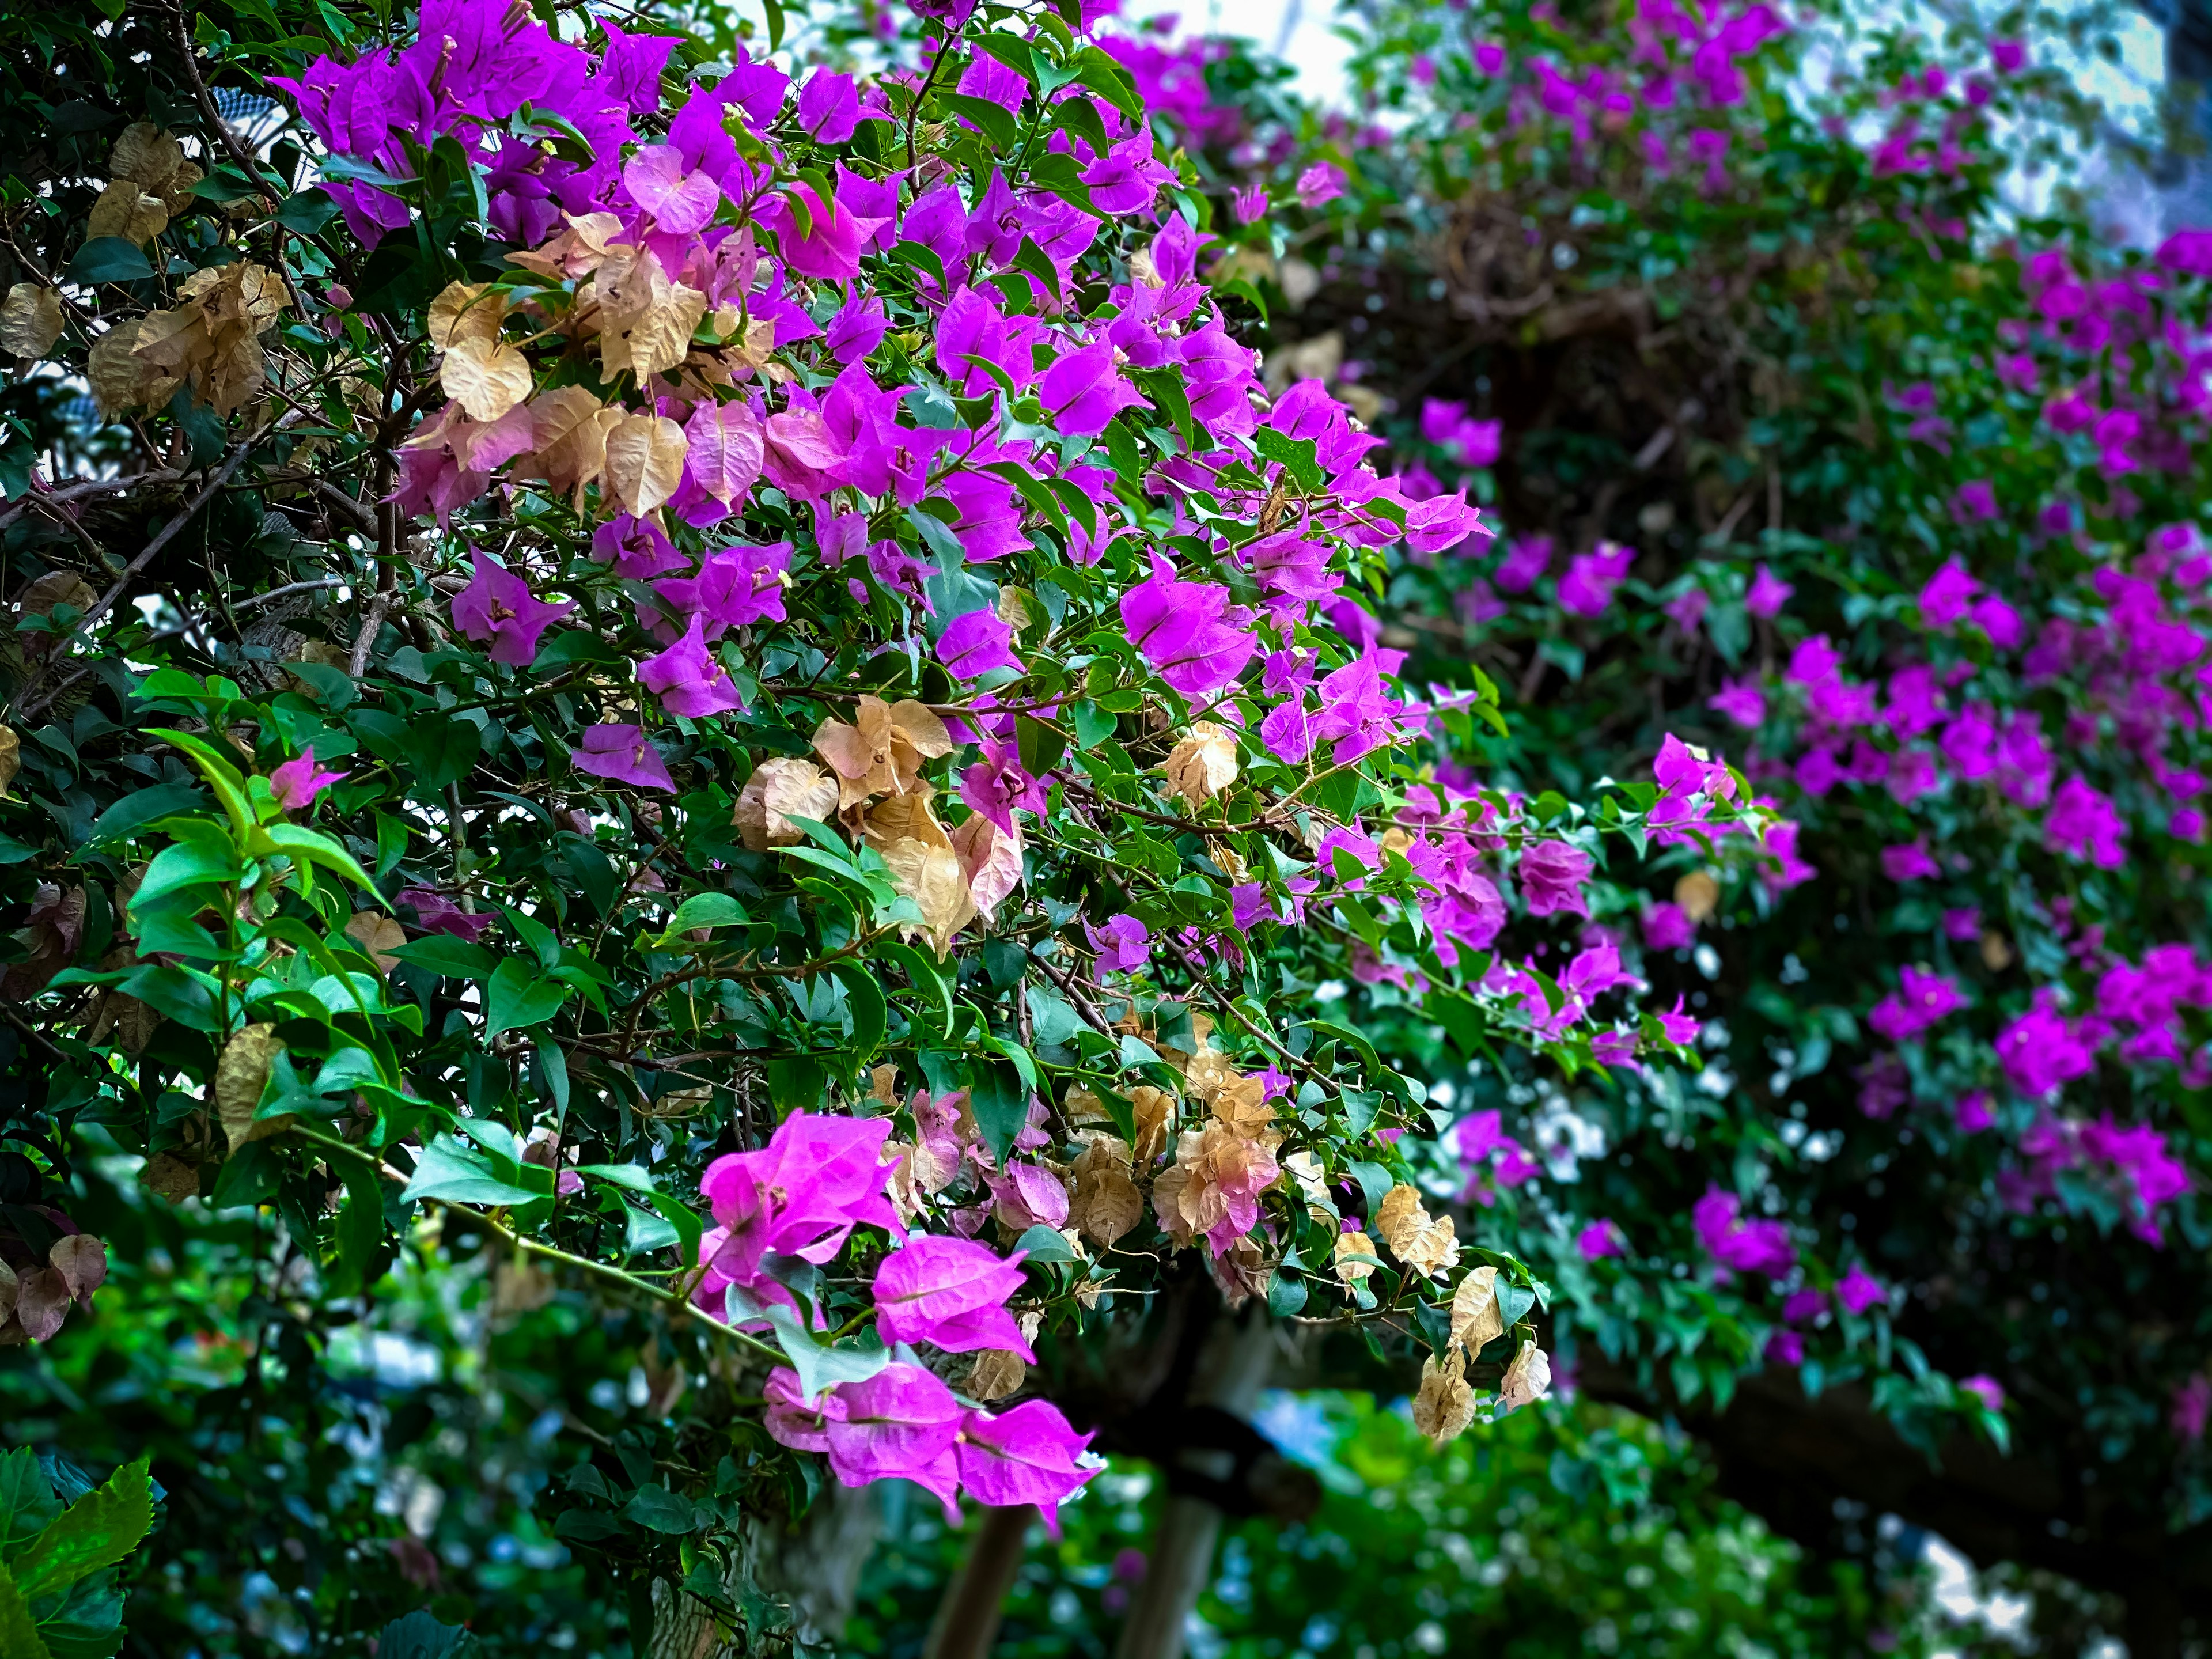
(1809, 446)
(717, 686)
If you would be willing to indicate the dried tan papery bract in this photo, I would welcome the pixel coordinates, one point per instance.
(1446, 1404)
(576, 251)
(1425, 1245)
(1155, 1113)
(646, 319)
(645, 461)
(119, 380)
(1476, 1318)
(154, 160)
(904, 817)
(781, 789)
(213, 339)
(1526, 1380)
(994, 1374)
(569, 429)
(487, 377)
(1304, 1168)
(240, 1075)
(992, 858)
(30, 320)
(881, 752)
(1204, 764)
(1106, 1204)
(379, 935)
(466, 311)
(1699, 895)
(932, 876)
(1354, 1243)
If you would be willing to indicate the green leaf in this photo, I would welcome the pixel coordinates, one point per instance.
(1285, 1295)
(26, 1503)
(705, 910)
(418, 1636)
(18, 1637)
(360, 1226)
(97, 1531)
(143, 807)
(868, 1006)
(442, 953)
(1043, 1244)
(515, 997)
(820, 1365)
(1002, 1105)
(659, 1510)
(461, 1175)
(109, 259)
(303, 844)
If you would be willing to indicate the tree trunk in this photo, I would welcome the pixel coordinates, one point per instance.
(968, 1619)
(815, 1566)
(1239, 1354)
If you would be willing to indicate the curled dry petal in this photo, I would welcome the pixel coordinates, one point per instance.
(42, 1302)
(781, 789)
(30, 320)
(1476, 1318)
(932, 876)
(903, 818)
(126, 211)
(81, 1260)
(1155, 1113)
(1526, 1380)
(1204, 764)
(239, 1076)
(1446, 1404)
(996, 1373)
(992, 858)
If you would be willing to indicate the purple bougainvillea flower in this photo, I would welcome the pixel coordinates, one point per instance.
(434, 913)
(976, 643)
(1740, 701)
(1124, 945)
(296, 782)
(2084, 825)
(901, 1423)
(1249, 204)
(1601, 1239)
(1552, 876)
(997, 786)
(1921, 1000)
(1750, 1247)
(630, 72)
(1768, 594)
(951, 1292)
(1356, 710)
(1083, 390)
(1668, 927)
(1909, 861)
(1527, 557)
(1027, 1455)
(829, 248)
(1859, 1290)
(2039, 1052)
(828, 107)
(681, 200)
(1587, 589)
(1321, 183)
(1987, 1389)
(1188, 630)
(638, 548)
(622, 754)
(687, 678)
(498, 605)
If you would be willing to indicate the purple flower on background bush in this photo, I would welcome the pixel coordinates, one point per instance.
(1668, 928)
(2039, 1052)
(1601, 1239)
(436, 913)
(2084, 825)
(1909, 862)
(1740, 701)
(1768, 593)
(622, 754)
(1123, 945)
(1987, 1389)
(1527, 557)
(1587, 589)
(498, 605)
(296, 782)
(975, 644)
(1921, 1001)
(1859, 1291)
(689, 679)
(1740, 1246)
(1551, 875)
(1323, 182)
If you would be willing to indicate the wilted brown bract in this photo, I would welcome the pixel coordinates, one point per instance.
(1476, 1318)
(932, 876)
(1204, 764)
(882, 750)
(1107, 1203)
(379, 935)
(487, 377)
(645, 461)
(1446, 1404)
(213, 339)
(30, 320)
(239, 1076)
(1423, 1243)
(781, 789)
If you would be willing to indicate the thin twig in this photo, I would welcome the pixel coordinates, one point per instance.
(106, 601)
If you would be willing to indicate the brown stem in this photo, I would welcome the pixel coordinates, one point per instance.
(967, 1623)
